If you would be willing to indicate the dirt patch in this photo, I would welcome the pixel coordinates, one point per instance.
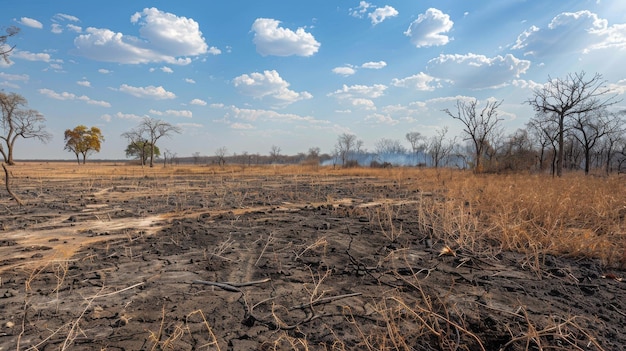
(197, 261)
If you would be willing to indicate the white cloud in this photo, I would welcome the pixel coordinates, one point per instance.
(175, 113)
(106, 117)
(14, 77)
(84, 83)
(238, 125)
(349, 92)
(378, 118)
(166, 69)
(374, 65)
(29, 56)
(361, 10)
(70, 96)
(165, 37)
(190, 81)
(359, 95)
(62, 16)
(74, 28)
(430, 28)
(130, 116)
(619, 87)
(56, 28)
(571, 32)
(214, 51)
(473, 71)
(158, 93)
(420, 81)
(270, 39)
(268, 84)
(103, 71)
(29, 22)
(198, 102)
(251, 115)
(382, 13)
(344, 71)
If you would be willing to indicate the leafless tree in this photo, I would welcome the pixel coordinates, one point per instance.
(18, 122)
(221, 155)
(417, 141)
(346, 145)
(389, 146)
(478, 125)
(275, 153)
(590, 128)
(5, 49)
(437, 148)
(562, 98)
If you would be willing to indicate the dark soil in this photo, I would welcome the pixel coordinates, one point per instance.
(337, 263)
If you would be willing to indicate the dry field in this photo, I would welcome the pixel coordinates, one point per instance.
(119, 257)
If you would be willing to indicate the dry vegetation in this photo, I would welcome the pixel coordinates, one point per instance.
(308, 258)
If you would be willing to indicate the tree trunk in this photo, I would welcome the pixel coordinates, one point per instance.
(7, 178)
(560, 158)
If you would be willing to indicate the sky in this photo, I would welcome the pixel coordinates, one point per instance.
(250, 74)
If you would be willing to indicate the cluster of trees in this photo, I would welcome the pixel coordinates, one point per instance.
(573, 128)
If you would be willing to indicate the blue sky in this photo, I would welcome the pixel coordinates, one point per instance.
(251, 74)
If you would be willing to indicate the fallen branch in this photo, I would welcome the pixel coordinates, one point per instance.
(7, 178)
(324, 300)
(231, 286)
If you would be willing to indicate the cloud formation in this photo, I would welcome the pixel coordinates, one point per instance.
(571, 32)
(268, 84)
(164, 37)
(151, 92)
(430, 29)
(382, 13)
(472, 71)
(420, 81)
(270, 39)
(70, 96)
(29, 22)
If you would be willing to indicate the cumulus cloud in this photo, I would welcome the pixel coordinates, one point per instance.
(198, 102)
(166, 69)
(56, 28)
(268, 84)
(359, 96)
(430, 29)
(252, 115)
(175, 113)
(29, 56)
(29, 22)
(382, 13)
(571, 32)
(420, 81)
(378, 118)
(84, 83)
(103, 71)
(270, 39)
(374, 65)
(344, 71)
(14, 77)
(473, 71)
(238, 125)
(152, 92)
(70, 96)
(164, 37)
(190, 81)
(74, 28)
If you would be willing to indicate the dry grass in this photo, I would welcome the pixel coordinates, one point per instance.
(576, 215)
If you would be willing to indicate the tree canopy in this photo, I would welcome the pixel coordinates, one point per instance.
(82, 141)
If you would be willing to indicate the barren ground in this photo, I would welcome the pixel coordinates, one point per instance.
(121, 260)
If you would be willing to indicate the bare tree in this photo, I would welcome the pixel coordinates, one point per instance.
(275, 153)
(589, 128)
(386, 146)
(18, 122)
(150, 130)
(478, 127)
(437, 148)
(417, 141)
(221, 155)
(5, 49)
(562, 98)
(346, 144)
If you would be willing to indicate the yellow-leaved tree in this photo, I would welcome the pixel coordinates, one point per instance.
(83, 141)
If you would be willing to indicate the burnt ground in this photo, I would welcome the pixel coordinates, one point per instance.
(303, 262)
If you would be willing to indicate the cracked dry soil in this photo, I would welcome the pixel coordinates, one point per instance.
(306, 262)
